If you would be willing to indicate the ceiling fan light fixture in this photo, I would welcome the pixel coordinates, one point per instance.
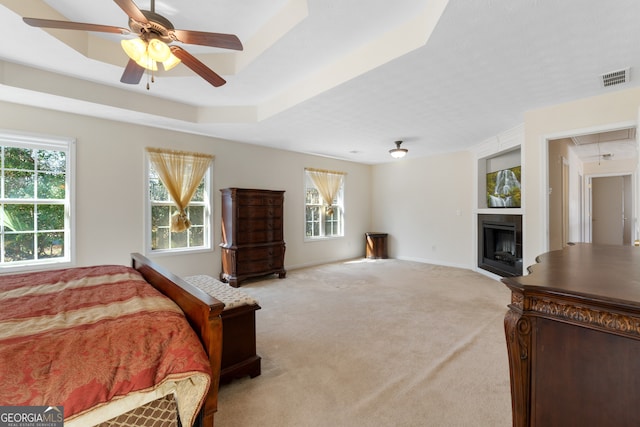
(398, 153)
(134, 48)
(158, 50)
(147, 62)
(147, 55)
(171, 62)
(155, 34)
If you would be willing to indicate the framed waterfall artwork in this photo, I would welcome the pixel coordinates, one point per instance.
(503, 188)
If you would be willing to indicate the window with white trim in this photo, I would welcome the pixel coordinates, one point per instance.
(160, 238)
(323, 219)
(35, 200)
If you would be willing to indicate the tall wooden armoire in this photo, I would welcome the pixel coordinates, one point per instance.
(252, 234)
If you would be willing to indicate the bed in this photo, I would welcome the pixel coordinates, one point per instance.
(106, 344)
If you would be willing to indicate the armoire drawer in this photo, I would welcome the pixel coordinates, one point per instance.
(252, 253)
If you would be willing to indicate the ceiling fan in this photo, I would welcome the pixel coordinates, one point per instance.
(155, 33)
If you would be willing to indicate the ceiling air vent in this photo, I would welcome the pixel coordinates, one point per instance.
(615, 77)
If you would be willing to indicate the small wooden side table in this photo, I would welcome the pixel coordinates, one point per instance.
(376, 245)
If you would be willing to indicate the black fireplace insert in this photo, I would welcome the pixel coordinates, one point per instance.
(500, 244)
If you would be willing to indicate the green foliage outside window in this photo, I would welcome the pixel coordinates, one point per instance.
(33, 193)
(162, 208)
(321, 220)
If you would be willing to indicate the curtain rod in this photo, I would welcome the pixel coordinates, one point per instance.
(324, 171)
(178, 152)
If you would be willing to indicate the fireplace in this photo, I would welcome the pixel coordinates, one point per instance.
(500, 244)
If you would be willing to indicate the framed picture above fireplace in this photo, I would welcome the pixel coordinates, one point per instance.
(503, 188)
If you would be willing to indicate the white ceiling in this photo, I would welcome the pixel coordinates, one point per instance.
(611, 145)
(340, 78)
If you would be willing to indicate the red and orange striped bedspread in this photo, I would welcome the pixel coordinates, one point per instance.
(83, 337)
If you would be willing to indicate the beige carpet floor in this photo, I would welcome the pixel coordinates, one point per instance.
(375, 343)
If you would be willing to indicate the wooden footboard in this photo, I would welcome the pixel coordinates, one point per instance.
(203, 313)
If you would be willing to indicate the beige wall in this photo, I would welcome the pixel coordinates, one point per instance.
(417, 201)
(110, 188)
(426, 207)
(611, 167)
(609, 111)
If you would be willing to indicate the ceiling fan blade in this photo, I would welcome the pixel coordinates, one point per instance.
(198, 67)
(132, 73)
(225, 41)
(132, 10)
(68, 25)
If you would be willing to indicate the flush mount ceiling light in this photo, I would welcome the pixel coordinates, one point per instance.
(398, 153)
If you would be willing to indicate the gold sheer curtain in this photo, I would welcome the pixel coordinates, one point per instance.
(327, 183)
(181, 172)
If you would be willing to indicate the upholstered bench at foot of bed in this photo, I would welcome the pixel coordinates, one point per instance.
(239, 356)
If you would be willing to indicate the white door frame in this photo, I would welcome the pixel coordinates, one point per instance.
(588, 206)
(544, 170)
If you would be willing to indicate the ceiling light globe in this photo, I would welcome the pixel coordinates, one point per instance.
(147, 62)
(134, 48)
(398, 152)
(158, 50)
(171, 62)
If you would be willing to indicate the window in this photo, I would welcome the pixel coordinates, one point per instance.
(162, 208)
(35, 200)
(322, 218)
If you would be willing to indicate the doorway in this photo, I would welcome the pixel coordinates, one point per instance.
(574, 162)
(611, 209)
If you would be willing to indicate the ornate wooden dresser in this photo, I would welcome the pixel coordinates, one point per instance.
(573, 338)
(252, 234)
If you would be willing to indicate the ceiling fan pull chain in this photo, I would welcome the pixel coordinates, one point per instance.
(150, 77)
